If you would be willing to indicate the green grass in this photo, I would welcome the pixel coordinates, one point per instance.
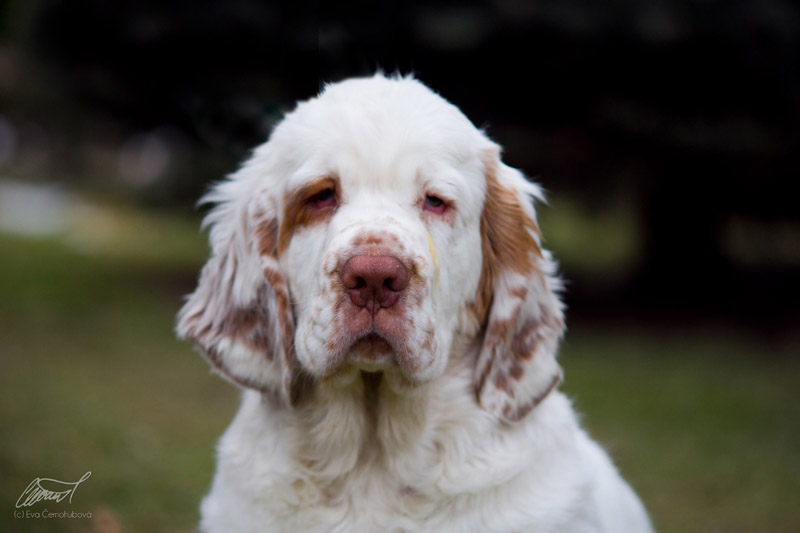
(92, 378)
(703, 424)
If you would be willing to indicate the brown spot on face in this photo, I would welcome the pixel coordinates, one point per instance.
(429, 344)
(507, 242)
(369, 238)
(377, 243)
(299, 210)
(407, 360)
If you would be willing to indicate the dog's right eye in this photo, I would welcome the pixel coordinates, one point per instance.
(324, 198)
(434, 204)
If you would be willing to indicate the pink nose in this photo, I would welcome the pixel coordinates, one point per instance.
(374, 281)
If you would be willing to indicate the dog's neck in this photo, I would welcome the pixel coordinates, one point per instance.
(361, 420)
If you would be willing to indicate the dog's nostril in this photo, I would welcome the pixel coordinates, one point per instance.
(374, 280)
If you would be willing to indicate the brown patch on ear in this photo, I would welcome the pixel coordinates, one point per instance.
(524, 343)
(247, 337)
(501, 382)
(506, 240)
(515, 413)
(298, 213)
(266, 234)
(247, 325)
(514, 301)
(266, 238)
(285, 318)
(496, 332)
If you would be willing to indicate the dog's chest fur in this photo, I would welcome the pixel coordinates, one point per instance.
(361, 457)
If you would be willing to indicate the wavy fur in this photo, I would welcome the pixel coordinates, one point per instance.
(436, 413)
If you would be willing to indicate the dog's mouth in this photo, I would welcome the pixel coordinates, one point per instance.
(372, 353)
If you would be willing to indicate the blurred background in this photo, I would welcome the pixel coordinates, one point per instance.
(666, 132)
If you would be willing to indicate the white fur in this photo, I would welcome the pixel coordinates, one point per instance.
(413, 445)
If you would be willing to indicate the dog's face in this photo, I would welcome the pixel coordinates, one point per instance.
(379, 221)
(375, 231)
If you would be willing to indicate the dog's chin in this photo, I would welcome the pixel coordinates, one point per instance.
(372, 353)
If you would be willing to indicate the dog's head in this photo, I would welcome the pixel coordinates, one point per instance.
(378, 229)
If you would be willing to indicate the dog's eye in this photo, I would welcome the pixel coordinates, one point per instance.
(434, 204)
(322, 199)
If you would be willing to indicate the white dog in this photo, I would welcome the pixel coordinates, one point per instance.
(378, 288)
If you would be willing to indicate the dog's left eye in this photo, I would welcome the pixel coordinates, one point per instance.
(434, 204)
(322, 199)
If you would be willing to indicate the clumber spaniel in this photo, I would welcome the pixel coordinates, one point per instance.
(378, 289)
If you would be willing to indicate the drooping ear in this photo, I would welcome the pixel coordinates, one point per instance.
(516, 299)
(239, 316)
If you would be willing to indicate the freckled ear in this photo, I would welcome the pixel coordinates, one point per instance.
(516, 299)
(239, 315)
